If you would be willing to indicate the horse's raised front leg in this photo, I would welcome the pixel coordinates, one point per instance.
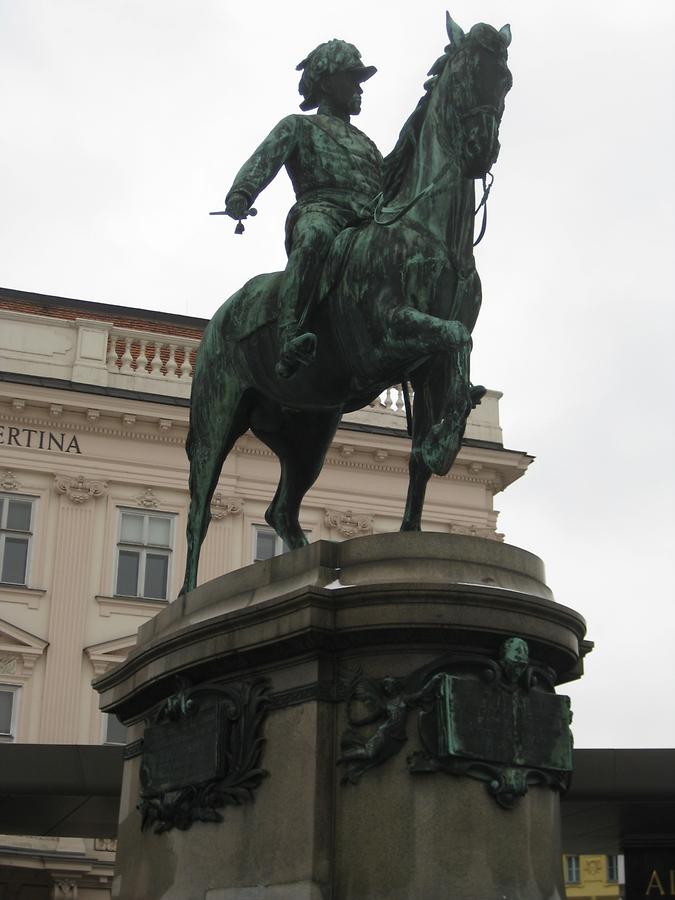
(448, 393)
(415, 334)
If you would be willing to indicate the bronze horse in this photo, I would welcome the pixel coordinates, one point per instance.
(398, 300)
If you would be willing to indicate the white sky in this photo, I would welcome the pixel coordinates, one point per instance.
(125, 121)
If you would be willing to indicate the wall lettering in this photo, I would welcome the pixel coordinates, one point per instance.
(650, 872)
(655, 884)
(34, 439)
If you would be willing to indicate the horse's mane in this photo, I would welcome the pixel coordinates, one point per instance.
(396, 162)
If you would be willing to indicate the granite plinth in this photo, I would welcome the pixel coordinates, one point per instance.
(384, 605)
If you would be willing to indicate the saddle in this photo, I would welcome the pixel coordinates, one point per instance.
(257, 303)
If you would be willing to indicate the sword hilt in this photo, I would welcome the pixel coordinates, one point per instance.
(239, 229)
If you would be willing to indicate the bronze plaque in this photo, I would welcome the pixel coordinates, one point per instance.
(182, 753)
(514, 728)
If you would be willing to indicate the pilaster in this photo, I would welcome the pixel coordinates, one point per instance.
(68, 609)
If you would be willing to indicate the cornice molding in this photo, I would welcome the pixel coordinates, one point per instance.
(374, 459)
(88, 426)
(30, 597)
(128, 606)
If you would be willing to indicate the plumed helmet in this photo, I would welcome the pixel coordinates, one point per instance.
(327, 59)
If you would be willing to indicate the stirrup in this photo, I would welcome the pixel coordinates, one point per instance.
(300, 351)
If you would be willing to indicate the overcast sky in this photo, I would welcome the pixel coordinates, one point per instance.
(123, 122)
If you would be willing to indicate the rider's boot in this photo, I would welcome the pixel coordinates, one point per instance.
(296, 350)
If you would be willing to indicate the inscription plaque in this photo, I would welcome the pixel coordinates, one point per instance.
(183, 753)
(201, 752)
(513, 728)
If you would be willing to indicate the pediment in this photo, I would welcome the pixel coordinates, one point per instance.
(18, 647)
(111, 653)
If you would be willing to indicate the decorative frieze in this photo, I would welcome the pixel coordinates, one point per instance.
(222, 506)
(348, 523)
(7, 665)
(475, 531)
(105, 845)
(80, 489)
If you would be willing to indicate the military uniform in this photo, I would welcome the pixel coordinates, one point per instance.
(336, 171)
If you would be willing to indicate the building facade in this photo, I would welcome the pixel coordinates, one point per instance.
(593, 876)
(94, 408)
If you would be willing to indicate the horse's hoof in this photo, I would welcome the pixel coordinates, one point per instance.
(476, 393)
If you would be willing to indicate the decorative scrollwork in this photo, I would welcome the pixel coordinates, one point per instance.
(523, 739)
(348, 523)
(8, 481)
(80, 489)
(222, 506)
(201, 753)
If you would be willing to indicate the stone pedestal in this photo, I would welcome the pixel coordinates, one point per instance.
(342, 649)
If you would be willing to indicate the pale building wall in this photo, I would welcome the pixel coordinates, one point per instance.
(75, 374)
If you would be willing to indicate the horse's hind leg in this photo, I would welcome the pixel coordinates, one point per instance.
(418, 471)
(213, 432)
(300, 440)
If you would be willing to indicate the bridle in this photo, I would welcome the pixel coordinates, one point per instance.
(397, 212)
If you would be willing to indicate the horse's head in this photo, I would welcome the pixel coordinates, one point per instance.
(479, 80)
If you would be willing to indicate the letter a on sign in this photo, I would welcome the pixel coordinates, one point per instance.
(655, 883)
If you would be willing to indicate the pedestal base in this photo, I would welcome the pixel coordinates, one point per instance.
(351, 645)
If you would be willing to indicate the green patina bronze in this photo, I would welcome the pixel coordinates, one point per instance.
(201, 752)
(500, 722)
(380, 286)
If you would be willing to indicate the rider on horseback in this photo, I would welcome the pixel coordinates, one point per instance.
(336, 171)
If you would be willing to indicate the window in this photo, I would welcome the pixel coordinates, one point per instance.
(572, 871)
(114, 731)
(16, 520)
(9, 695)
(267, 543)
(144, 554)
(613, 868)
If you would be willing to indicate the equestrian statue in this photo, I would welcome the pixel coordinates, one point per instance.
(380, 287)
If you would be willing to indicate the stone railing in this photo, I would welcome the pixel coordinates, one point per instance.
(147, 354)
(388, 411)
(90, 351)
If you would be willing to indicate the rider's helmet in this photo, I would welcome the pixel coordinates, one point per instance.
(327, 59)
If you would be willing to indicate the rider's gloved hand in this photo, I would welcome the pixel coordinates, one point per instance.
(237, 206)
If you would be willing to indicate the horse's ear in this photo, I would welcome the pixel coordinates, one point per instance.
(455, 33)
(505, 32)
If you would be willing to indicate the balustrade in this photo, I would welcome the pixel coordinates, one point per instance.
(150, 355)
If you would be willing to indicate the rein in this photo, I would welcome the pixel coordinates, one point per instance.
(398, 212)
(483, 203)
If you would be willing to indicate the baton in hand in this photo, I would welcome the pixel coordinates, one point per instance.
(240, 222)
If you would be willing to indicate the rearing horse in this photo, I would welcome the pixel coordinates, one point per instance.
(399, 298)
